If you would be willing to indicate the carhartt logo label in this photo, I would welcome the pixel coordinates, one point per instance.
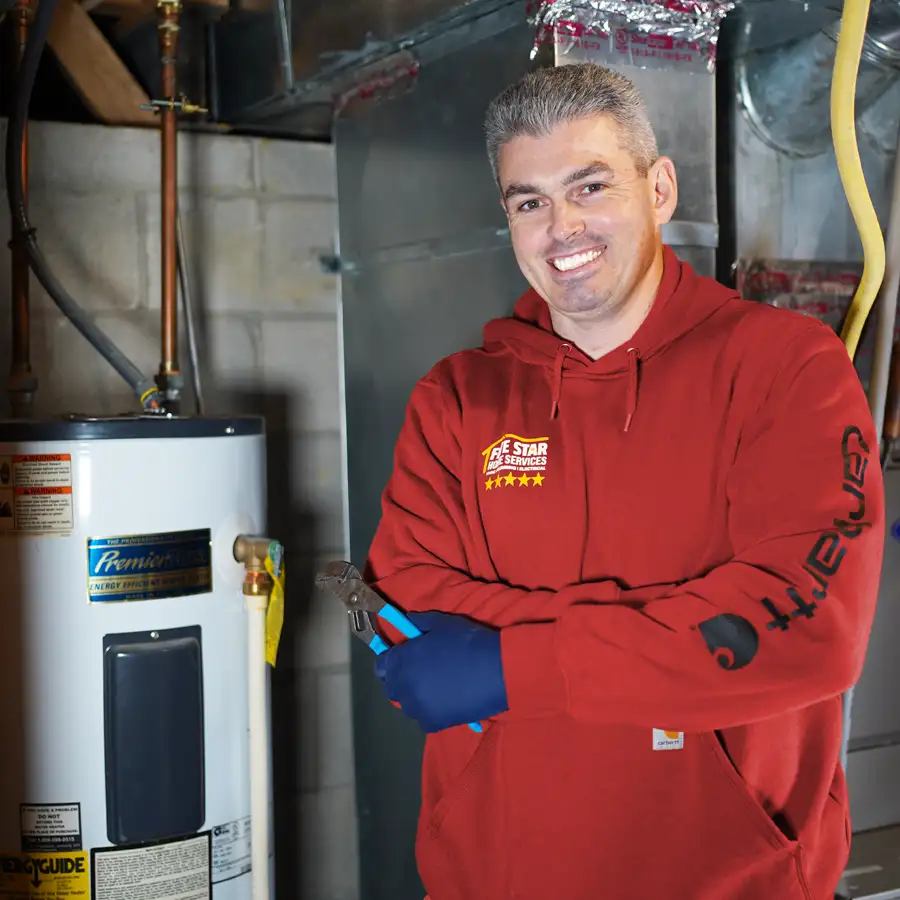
(668, 740)
(514, 461)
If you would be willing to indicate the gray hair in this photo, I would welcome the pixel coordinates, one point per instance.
(548, 97)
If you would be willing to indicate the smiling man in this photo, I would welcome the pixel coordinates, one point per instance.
(641, 529)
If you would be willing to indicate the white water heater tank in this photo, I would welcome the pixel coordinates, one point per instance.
(124, 747)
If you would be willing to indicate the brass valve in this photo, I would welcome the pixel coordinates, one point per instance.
(181, 105)
(253, 553)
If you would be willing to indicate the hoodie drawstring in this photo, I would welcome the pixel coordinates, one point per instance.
(634, 358)
(556, 386)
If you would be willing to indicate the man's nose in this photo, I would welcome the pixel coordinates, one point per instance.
(566, 222)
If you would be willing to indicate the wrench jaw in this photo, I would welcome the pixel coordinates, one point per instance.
(343, 580)
(338, 571)
(361, 625)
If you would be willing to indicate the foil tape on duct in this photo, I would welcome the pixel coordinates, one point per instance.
(651, 34)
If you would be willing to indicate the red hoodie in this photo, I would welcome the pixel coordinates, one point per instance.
(682, 544)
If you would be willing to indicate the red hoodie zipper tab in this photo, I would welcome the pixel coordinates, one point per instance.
(634, 357)
(556, 386)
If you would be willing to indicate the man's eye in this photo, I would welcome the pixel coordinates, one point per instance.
(593, 188)
(529, 205)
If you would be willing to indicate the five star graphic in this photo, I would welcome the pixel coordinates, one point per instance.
(510, 480)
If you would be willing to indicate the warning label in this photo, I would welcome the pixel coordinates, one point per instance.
(47, 876)
(170, 870)
(36, 494)
(50, 826)
(231, 850)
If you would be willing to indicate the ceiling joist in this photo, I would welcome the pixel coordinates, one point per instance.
(96, 71)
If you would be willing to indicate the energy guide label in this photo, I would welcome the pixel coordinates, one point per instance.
(45, 876)
(36, 494)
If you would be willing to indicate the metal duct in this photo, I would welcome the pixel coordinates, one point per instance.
(669, 52)
(280, 60)
(785, 89)
(292, 86)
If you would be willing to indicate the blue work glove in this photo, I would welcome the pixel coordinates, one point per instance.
(451, 675)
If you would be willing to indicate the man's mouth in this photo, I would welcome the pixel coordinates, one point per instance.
(575, 260)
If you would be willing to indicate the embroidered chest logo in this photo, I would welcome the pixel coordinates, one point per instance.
(513, 461)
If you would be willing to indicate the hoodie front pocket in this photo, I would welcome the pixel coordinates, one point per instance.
(744, 799)
(461, 845)
(603, 811)
(455, 791)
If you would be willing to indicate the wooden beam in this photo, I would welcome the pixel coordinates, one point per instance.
(96, 71)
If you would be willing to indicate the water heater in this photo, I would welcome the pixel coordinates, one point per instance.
(124, 726)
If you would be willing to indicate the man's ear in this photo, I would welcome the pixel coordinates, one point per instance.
(663, 183)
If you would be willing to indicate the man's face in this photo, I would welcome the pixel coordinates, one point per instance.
(585, 225)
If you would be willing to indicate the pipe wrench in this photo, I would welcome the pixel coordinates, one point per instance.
(343, 580)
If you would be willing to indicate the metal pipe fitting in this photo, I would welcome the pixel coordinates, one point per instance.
(252, 550)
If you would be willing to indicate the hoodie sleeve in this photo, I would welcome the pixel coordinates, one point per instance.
(784, 624)
(424, 553)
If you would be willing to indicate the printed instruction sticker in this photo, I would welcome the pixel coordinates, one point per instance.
(668, 740)
(36, 494)
(45, 876)
(50, 827)
(162, 870)
(231, 850)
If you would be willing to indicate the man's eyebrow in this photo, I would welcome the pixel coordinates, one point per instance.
(597, 168)
(516, 189)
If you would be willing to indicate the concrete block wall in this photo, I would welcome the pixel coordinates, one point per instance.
(258, 215)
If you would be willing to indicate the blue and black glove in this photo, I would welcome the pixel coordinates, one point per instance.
(451, 675)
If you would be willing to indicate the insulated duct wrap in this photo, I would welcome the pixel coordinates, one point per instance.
(651, 34)
(667, 50)
(822, 289)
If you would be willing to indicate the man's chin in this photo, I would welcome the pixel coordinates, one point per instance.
(579, 300)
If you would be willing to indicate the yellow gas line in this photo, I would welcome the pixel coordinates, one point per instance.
(846, 149)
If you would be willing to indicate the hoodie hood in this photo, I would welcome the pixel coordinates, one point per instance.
(684, 300)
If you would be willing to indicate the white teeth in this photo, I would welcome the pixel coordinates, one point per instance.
(567, 263)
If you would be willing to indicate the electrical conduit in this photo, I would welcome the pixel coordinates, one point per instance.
(886, 317)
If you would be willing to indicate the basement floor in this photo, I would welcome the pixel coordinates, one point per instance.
(874, 869)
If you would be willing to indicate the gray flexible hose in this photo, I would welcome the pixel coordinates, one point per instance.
(143, 387)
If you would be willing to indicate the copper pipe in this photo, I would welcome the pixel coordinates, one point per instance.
(22, 384)
(168, 27)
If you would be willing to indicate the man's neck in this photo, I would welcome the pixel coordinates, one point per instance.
(600, 336)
